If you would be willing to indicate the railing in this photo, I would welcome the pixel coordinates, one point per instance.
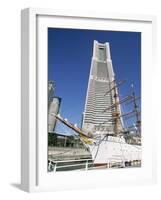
(88, 164)
(54, 165)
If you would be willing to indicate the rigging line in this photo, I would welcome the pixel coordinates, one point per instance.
(111, 99)
(65, 129)
(124, 122)
(99, 146)
(136, 99)
(120, 116)
(116, 85)
(121, 109)
(123, 125)
(69, 117)
(122, 151)
(121, 101)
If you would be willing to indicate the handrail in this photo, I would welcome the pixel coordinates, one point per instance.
(86, 163)
(63, 161)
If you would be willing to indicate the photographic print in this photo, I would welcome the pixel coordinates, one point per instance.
(94, 99)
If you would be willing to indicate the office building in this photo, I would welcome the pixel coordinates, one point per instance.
(101, 79)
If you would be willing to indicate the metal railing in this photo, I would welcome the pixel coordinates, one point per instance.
(87, 164)
(53, 165)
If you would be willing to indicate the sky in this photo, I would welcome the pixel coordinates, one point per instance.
(69, 60)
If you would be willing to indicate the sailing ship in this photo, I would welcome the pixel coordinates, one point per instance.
(103, 130)
(118, 148)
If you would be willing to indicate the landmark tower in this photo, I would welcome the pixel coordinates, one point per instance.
(101, 79)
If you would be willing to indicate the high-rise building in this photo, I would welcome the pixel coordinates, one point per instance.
(53, 109)
(53, 106)
(51, 88)
(101, 79)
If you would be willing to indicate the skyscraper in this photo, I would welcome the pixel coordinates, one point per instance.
(53, 106)
(51, 87)
(101, 80)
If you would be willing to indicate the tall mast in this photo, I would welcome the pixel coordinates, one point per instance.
(116, 113)
(138, 122)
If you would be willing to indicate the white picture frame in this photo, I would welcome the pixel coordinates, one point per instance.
(34, 175)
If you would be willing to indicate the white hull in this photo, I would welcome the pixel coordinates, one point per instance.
(114, 149)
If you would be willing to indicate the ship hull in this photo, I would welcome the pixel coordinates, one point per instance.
(114, 150)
